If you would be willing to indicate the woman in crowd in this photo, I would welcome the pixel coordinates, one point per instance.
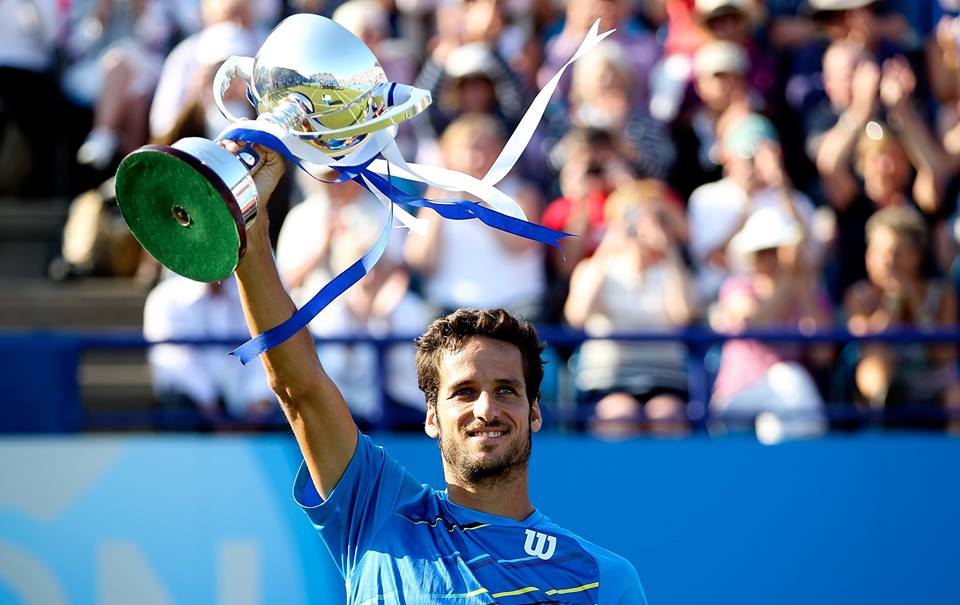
(636, 280)
(897, 294)
(776, 288)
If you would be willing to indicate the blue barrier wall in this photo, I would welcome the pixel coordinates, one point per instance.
(183, 520)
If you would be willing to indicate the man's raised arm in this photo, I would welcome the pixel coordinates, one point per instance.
(311, 401)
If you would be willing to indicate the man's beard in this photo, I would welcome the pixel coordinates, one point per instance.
(475, 471)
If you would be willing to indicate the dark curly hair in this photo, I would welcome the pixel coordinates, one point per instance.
(451, 332)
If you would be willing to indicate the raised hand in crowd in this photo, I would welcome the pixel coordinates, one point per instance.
(925, 153)
(837, 146)
(943, 60)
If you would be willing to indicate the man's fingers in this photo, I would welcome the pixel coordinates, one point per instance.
(231, 146)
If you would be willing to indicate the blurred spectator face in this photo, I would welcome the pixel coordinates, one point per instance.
(604, 69)
(471, 144)
(766, 262)
(365, 19)
(601, 88)
(891, 256)
(883, 164)
(741, 170)
(716, 90)
(475, 94)
(752, 157)
(585, 158)
(582, 13)
(733, 26)
(219, 11)
(720, 69)
(856, 24)
(639, 212)
(839, 63)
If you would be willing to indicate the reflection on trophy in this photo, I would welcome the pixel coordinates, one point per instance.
(314, 82)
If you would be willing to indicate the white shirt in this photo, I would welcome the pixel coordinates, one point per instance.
(28, 33)
(181, 308)
(475, 269)
(303, 232)
(716, 212)
(353, 367)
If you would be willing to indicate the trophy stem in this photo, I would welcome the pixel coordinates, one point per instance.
(292, 113)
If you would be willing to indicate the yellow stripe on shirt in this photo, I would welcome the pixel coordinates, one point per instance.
(513, 593)
(577, 589)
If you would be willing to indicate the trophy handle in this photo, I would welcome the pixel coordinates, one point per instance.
(234, 67)
(415, 101)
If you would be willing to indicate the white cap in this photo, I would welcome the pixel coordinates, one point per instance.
(720, 57)
(768, 227)
(470, 59)
(837, 5)
(708, 8)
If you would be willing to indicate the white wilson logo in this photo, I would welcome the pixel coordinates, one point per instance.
(540, 545)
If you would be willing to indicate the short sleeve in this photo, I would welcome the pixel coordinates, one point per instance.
(372, 487)
(619, 582)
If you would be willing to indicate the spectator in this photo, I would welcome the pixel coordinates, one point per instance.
(464, 72)
(862, 22)
(592, 165)
(466, 263)
(226, 393)
(754, 178)
(29, 95)
(882, 34)
(635, 281)
(618, 416)
(198, 115)
(734, 21)
(224, 20)
(639, 46)
(379, 305)
(851, 82)
(601, 97)
(369, 21)
(883, 157)
(897, 294)
(719, 81)
(312, 228)
(776, 289)
(115, 55)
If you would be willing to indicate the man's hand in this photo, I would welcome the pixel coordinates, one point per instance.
(866, 85)
(266, 175)
(898, 83)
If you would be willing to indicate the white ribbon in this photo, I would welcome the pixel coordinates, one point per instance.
(528, 124)
(393, 164)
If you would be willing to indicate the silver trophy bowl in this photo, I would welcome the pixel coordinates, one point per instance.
(190, 204)
(321, 84)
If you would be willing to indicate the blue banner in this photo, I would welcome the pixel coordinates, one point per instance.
(195, 520)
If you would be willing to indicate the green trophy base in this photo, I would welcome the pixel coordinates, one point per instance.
(181, 212)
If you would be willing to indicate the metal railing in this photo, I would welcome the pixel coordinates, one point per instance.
(699, 342)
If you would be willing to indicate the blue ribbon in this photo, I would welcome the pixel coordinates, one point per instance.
(449, 209)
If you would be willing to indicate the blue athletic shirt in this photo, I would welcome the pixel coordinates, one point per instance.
(399, 542)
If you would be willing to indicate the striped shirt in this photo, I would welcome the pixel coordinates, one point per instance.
(397, 541)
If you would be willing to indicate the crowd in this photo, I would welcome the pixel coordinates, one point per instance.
(735, 164)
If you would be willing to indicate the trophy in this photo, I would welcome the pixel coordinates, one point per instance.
(318, 91)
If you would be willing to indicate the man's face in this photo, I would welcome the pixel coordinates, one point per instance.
(839, 65)
(472, 155)
(891, 256)
(886, 168)
(716, 90)
(483, 418)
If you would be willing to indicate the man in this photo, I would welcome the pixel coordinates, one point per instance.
(395, 541)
